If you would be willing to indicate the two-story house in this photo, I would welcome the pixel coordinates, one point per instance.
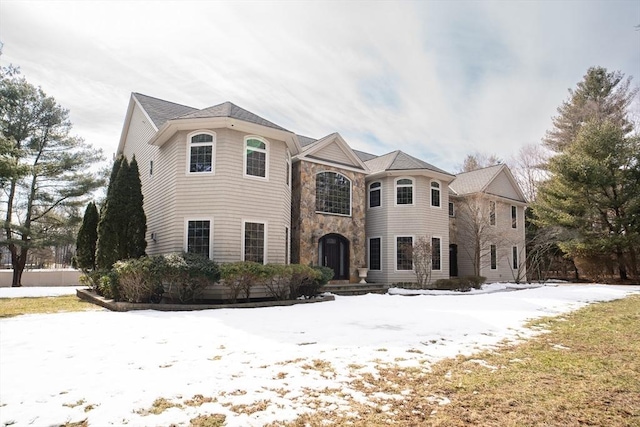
(226, 183)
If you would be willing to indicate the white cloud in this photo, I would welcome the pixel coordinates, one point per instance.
(438, 80)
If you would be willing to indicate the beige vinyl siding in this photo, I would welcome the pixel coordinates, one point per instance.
(229, 198)
(334, 153)
(418, 220)
(502, 186)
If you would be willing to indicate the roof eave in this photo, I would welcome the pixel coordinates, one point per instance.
(422, 172)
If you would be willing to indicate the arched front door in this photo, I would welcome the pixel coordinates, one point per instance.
(333, 252)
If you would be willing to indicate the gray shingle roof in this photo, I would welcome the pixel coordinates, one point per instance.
(228, 109)
(399, 160)
(474, 181)
(160, 110)
(305, 140)
(364, 156)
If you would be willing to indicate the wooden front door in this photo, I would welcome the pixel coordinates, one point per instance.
(333, 251)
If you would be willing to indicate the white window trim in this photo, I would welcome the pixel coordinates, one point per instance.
(266, 158)
(517, 257)
(453, 209)
(431, 181)
(201, 144)
(369, 252)
(369, 190)
(186, 232)
(414, 192)
(395, 253)
(441, 255)
(289, 168)
(266, 237)
(497, 259)
(350, 194)
(512, 218)
(495, 213)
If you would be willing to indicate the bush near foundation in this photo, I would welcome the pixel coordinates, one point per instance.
(461, 284)
(139, 280)
(187, 275)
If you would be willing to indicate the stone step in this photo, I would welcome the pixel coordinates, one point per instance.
(355, 289)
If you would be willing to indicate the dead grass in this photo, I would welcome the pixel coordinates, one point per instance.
(212, 420)
(584, 371)
(158, 406)
(10, 307)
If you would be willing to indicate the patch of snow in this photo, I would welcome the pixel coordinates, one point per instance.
(119, 363)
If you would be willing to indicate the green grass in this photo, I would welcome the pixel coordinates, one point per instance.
(10, 307)
(584, 371)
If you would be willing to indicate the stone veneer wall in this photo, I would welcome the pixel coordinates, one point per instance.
(308, 226)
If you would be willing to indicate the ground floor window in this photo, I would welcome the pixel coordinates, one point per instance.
(254, 242)
(199, 237)
(436, 254)
(515, 257)
(404, 247)
(374, 253)
(494, 257)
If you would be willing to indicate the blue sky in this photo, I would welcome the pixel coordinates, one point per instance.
(437, 79)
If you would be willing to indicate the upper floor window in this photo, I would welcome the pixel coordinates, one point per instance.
(288, 170)
(514, 217)
(200, 153)
(375, 189)
(452, 210)
(255, 157)
(435, 194)
(404, 191)
(492, 213)
(333, 193)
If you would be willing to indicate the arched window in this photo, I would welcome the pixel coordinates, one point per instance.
(333, 193)
(256, 157)
(375, 189)
(435, 194)
(404, 191)
(200, 152)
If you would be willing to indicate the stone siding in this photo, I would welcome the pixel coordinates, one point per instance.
(308, 226)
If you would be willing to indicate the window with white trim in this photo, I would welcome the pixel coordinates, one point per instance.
(494, 257)
(436, 254)
(514, 251)
(333, 193)
(256, 157)
(435, 194)
(200, 154)
(404, 191)
(375, 191)
(514, 217)
(452, 210)
(254, 242)
(375, 253)
(404, 251)
(288, 170)
(199, 237)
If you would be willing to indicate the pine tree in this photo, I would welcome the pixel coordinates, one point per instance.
(112, 218)
(86, 242)
(137, 220)
(601, 95)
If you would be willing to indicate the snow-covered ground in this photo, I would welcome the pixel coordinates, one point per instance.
(27, 292)
(109, 367)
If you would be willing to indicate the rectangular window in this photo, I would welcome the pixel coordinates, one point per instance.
(256, 158)
(374, 194)
(404, 256)
(435, 194)
(514, 217)
(201, 158)
(436, 254)
(254, 242)
(150, 167)
(374, 253)
(492, 213)
(515, 257)
(494, 257)
(451, 209)
(199, 237)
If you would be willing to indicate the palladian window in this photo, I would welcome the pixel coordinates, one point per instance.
(333, 193)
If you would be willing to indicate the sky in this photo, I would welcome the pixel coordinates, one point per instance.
(109, 367)
(436, 79)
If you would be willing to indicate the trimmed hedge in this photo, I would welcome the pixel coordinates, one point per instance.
(461, 284)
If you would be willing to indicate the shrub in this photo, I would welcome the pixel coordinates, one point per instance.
(92, 278)
(108, 285)
(310, 288)
(277, 280)
(187, 275)
(139, 280)
(461, 284)
(240, 277)
(305, 281)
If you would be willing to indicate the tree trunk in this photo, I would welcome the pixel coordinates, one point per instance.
(18, 261)
(621, 264)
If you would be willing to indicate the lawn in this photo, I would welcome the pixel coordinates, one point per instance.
(370, 360)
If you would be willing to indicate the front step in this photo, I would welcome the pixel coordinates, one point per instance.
(346, 289)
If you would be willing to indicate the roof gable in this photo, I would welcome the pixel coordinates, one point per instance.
(496, 180)
(332, 149)
(159, 111)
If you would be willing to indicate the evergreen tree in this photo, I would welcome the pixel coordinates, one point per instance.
(112, 219)
(593, 193)
(137, 220)
(602, 95)
(85, 258)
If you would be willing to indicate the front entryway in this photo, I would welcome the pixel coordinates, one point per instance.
(333, 252)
